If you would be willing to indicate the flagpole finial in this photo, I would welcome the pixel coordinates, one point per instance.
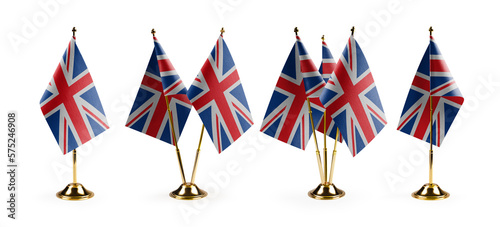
(296, 30)
(431, 30)
(352, 30)
(222, 31)
(153, 32)
(323, 38)
(74, 31)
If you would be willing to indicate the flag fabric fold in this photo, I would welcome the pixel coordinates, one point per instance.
(149, 112)
(217, 95)
(71, 104)
(351, 99)
(326, 69)
(433, 78)
(287, 117)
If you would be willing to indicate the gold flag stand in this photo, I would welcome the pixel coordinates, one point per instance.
(74, 190)
(326, 190)
(187, 190)
(430, 191)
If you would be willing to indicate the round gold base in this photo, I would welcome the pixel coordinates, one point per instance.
(188, 191)
(430, 192)
(326, 192)
(75, 191)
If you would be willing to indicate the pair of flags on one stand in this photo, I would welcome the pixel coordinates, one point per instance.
(350, 102)
(75, 115)
(345, 94)
(216, 93)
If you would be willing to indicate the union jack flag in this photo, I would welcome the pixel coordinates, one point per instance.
(446, 99)
(327, 63)
(149, 111)
(217, 94)
(287, 117)
(352, 101)
(326, 69)
(71, 104)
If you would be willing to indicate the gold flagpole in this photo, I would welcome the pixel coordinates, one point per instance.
(326, 190)
(334, 155)
(318, 156)
(430, 139)
(178, 152)
(195, 167)
(325, 150)
(430, 191)
(187, 190)
(74, 190)
(430, 130)
(74, 166)
(325, 167)
(174, 139)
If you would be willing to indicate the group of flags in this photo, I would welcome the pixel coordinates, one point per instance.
(75, 115)
(338, 98)
(344, 94)
(216, 93)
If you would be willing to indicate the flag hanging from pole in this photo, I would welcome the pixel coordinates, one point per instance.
(71, 104)
(287, 117)
(217, 94)
(351, 99)
(326, 69)
(149, 111)
(327, 63)
(432, 78)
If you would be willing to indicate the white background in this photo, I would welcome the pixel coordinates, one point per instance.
(267, 180)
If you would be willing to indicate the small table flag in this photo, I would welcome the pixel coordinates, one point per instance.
(217, 94)
(287, 117)
(432, 78)
(351, 99)
(71, 104)
(149, 111)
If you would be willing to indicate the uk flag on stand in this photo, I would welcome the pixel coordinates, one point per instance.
(351, 99)
(432, 78)
(149, 112)
(217, 94)
(326, 69)
(287, 117)
(71, 104)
